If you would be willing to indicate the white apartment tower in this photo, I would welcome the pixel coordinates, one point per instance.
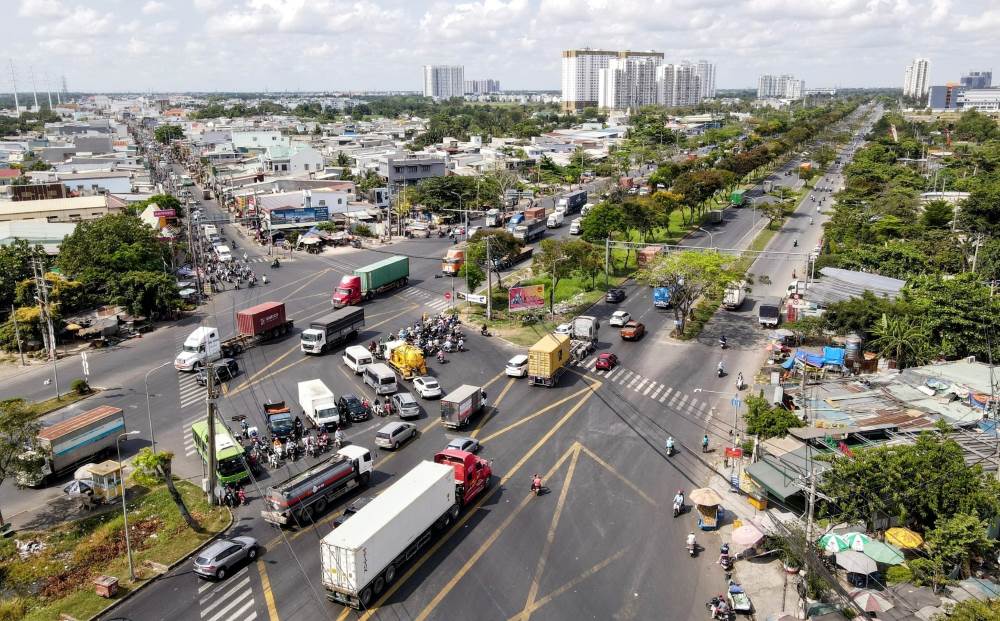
(706, 75)
(628, 82)
(780, 86)
(915, 78)
(581, 74)
(444, 81)
(679, 85)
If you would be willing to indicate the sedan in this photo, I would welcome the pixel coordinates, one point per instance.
(405, 405)
(426, 387)
(564, 328)
(470, 445)
(219, 558)
(633, 330)
(606, 362)
(614, 295)
(619, 318)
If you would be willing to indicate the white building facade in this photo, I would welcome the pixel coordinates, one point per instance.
(628, 82)
(444, 81)
(780, 87)
(581, 74)
(706, 76)
(915, 79)
(678, 85)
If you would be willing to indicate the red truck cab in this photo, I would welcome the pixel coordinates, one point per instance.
(348, 292)
(472, 474)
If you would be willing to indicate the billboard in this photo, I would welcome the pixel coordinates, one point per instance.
(163, 213)
(526, 298)
(299, 215)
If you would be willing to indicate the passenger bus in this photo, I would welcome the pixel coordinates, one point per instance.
(231, 466)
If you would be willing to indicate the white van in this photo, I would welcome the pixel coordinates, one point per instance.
(574, 227)
(381, 378)
(586, 209)
(357, 357)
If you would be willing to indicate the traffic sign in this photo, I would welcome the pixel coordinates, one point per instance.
(736, 402)
(447, 295)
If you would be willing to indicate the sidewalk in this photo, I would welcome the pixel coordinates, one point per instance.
(771, 590)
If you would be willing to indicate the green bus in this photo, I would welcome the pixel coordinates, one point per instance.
(231, 466)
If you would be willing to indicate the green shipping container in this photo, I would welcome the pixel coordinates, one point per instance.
(377, 275)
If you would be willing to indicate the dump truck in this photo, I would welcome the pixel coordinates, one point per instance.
(529, 231)
(408, 361)
(647, 254)
(340, 326)
(734, 295)
(367, 552)
(453, 260)
(74, 441)
(461, 404)
(472, 473)
(298, 500)
(738, 198)
(547, 359)
(319, 404)
(368, 281)
(254, 325)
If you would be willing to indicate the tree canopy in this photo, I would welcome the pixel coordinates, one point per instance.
(688, 274)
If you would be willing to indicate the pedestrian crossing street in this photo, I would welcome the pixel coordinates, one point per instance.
(433, 301)
(229, 600)
(627, 379)
(190, 392)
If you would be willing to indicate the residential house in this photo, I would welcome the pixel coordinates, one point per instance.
(72, 209)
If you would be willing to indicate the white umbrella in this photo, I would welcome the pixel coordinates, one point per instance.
(856, 562)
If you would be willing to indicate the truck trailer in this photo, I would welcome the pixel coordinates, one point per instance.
(256, 324)
(572, 203)
(734, 295)
(306, 495)
(340, 326)
(75, 441)
(368, 281)
(461, 404)
(365, 554)
(529, 231)
(547, 359)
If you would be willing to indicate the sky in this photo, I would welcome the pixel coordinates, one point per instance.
(315, 45)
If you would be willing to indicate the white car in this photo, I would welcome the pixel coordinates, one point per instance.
(426, 387)
(619, 318)
(517, 366)
(564, 328)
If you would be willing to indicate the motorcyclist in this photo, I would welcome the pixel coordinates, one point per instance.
(440, 355)
(722, 341)
(690, 540)
(483, 331)
(724, 557)
(263, 279)
(536, 483)
(810, 219)
(461, 344)
(721, 368)
(670, 446)
(338, 437)
(739, 380)
(795, 243)
(308, 442)
(679, 499)
(276, 263)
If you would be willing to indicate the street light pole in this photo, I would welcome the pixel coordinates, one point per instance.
(149, 410)
(711, 236)
(121, 472)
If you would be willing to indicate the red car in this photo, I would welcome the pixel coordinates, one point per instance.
(606, 362)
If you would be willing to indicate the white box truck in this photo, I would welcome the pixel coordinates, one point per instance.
(319, 404)
(734, 295)
(363, 556)
(555, 220)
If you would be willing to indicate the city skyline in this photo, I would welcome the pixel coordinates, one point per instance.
(247, 45)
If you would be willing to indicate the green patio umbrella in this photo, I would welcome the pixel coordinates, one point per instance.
(883, 553)
(833, 543)
(857, 541)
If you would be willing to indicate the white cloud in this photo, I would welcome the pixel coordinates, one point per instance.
(80, 23)
(41, 8)
(153, 7)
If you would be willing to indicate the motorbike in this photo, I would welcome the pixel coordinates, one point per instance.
(670, 451)
(537, 488)
(275, 264)
(440, 357)
(485, 332)
(722, 343)
(692, 548)
(726, 561)
(795, 243)
(720, 608)
(721, 371)
(678, 508)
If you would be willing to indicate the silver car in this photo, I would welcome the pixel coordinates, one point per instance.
(219, 559)
(406, 405)
(394, 434)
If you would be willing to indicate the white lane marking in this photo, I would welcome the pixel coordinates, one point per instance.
(657, 393)
(231, 588)
(639, 386)
(665, 394)
(648, 388)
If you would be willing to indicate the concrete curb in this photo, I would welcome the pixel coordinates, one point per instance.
(184, 558)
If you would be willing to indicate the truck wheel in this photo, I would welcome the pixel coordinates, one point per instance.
(390, 573)
(365, 478)
(196, 367)
(378, 586)
(320, 505)
(365, 597)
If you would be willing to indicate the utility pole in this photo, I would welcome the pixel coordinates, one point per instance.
(812, 502)
(17, 333)
(607, 260)
(47, 329)
(489, 282)
(210, 379)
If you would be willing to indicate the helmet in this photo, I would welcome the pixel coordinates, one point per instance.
(680, 491)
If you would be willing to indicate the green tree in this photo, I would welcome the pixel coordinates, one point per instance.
(765, 421)
(554, 259)
(823, 156)
(502, 245)
(165, 133)
(980, 212)
(937, 215)
(146, 294)
(472, 274)
(152, 468)
(15, 266)
(588, 260)
(602, 222)
(973, 610)
(689, 275)
(957, 539)
(100, 250)
(344, 160)
(902, 339)
(973, 125)
(18, 429)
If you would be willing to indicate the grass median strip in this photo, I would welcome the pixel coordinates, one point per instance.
(54, 570)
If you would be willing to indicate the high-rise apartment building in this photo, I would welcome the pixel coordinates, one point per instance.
(679, 85)
(482, 87)
(780, 86)
(628, 82)
(581, 74)
(915, 78)
(706, 76)
(977, 79)
(444, 81)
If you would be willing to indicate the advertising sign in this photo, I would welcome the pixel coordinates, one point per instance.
(164, 213)
(301, 215)
(526, 298)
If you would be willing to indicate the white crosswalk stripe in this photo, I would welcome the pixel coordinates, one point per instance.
(666, 393)
(611, 372)
(639, 386)
(230, 601)
(648, 388)
(621, 379)
(657, 393)
(189, 390)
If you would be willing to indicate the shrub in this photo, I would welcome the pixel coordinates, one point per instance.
(363, 230)
(899, 574)
(80, 386)
(13, 609)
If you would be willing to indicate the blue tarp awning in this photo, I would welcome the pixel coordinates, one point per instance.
(834, 355)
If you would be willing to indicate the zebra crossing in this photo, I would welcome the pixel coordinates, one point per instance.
(190, 391)
(189, 447)
(659, 392)
(433, 301)
(230, 600)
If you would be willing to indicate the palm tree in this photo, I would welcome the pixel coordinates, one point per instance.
(901, 339)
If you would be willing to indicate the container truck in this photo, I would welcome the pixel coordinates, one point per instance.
(529, 231)
(453, 260)
(547, 359)
(647, 254)
(734, 295)
(306, 495)
(371, 280)
(254, 325)
(572, 203)
(737, 198)
(365, 554)
(534, 213)
(472, 473)
(556, 219)
(319, 404)
(340, 326)
(661, 297)
(461, 404)
(69, 443)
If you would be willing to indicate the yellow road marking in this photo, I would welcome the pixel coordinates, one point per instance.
(620, 477)
(265, 583)
(307, 283)
(496, 408)
(486, 544)
(520, 422)
(550, 536)
(572, 583)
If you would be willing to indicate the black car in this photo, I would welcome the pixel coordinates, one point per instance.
(351, 509)
(615, 295)
(225, 369)
(351, 409)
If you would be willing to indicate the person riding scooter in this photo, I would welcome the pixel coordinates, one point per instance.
(276, 263)
(691, 543)
(721, 369)
(722, 341)
(670, 446)
(678, 503)
(536, 484)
